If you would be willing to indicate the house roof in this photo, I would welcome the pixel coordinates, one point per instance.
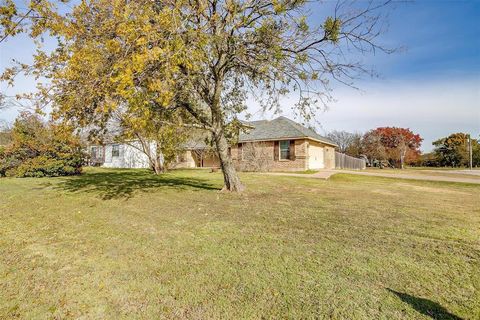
(278, 129)
(195, 144)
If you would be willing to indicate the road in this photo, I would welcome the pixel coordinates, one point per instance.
(464, 176)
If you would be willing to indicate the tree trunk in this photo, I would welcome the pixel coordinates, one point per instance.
(157, 167)
(402, 158)
(230, 177)
(158, 162)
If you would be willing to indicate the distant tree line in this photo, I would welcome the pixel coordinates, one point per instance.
(397, 147)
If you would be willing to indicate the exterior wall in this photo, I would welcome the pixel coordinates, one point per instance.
(329, 157)
(189, 159)
(185, 160)
(298, 164)
(129, 157)
(211, 161)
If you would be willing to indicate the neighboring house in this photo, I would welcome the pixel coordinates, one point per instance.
(119, 155)
(283, 145)
(130, 155)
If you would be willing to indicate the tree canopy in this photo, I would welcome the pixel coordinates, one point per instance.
(202, 57)
(396, 145)
(454, 151)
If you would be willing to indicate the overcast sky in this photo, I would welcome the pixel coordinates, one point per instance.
(432, 87)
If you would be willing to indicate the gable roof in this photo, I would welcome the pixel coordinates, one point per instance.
(278, 129)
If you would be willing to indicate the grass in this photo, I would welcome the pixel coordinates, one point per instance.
(121, 244)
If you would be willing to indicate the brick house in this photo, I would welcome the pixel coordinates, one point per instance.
(279, 144)
(287, 145)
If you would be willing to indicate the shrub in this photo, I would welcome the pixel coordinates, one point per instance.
(40, 149)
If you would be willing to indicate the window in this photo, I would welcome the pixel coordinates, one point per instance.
(115, 150)
(285, 149)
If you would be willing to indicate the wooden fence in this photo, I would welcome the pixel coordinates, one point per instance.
(342, 161)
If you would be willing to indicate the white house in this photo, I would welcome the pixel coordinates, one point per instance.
(120, 155)
(131, 155)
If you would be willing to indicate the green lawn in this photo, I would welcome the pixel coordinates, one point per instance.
(124, 244)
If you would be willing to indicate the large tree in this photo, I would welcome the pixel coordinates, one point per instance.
(204, 57)
(349, 143)
(454, 150)
(396, 145)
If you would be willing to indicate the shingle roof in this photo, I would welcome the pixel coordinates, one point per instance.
(194, 144)
(280, 128)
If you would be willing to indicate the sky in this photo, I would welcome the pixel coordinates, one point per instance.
(432, 86)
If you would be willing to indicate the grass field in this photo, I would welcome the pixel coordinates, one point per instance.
(124, 244)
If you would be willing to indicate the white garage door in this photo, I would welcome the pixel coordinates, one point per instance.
(316, 157)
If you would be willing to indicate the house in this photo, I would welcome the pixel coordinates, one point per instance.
(286, 145)
(119, 155)
(278, 145)
(195, 154)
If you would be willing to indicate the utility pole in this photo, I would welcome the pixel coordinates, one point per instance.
(470, 151)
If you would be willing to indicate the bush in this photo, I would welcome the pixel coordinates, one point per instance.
(45, 167)
(41, 149)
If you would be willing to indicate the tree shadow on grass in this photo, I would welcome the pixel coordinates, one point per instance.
(124, 183)
(426, 307)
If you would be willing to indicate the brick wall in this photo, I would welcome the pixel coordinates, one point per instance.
(299, 163)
